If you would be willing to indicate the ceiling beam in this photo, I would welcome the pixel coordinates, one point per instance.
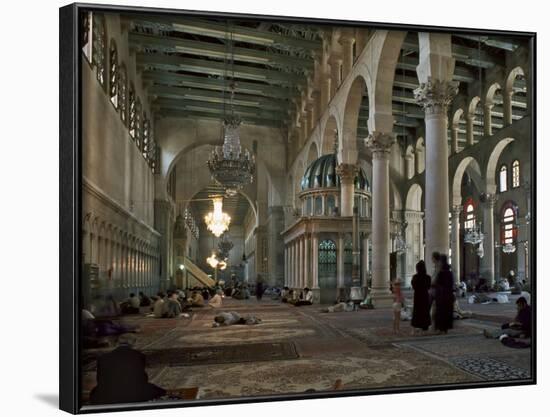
(203, 66)
(162, 91)
(507, 44)
(213, 116)
(187, 80)
(224, 31)
(216, 50)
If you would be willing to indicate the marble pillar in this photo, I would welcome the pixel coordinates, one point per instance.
(455, 241)
(365, 264)
(454, 140)
(340, 264)
(347, 174)
(315, 268)
(347, 61)
(380, 145)
(487, 120)
(435, 96)
(507, 107)
(487, 268)
(307, 254)
(470, 130)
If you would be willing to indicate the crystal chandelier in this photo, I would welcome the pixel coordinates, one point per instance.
(230, 165)
(474, 235)
(216, 263)
(224, 247)
(509, 248)
(217, 221)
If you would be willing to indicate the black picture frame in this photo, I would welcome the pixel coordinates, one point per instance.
(70, 183)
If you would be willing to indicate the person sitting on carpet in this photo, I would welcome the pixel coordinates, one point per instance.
(284, 294)
(158, 306)
(228, 318)
(196, 300)
(144, 301)
(171, 306)
(519, 327)
(305, 299)
(121, 377)
(130, 305)
(216, 301)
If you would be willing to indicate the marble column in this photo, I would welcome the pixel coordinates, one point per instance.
(487, 268)
(487, 120)
(314, 261)
(380, 145)
(301, 255)
(347, 174)
(507, 107)
(340, 264)
(454, 140)
(470, 130)
(347, 61)
(286, 267)
(325, 91)
(294, 264)
(307, 254)
(455, 241)
(365, 262)
(435, 96)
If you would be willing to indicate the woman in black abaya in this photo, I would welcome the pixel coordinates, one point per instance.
(444, 297)
(421, 283)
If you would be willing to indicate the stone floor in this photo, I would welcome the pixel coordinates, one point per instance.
(296, 349)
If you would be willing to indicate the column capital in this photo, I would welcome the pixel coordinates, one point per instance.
(456, 210)
(347, 172)
(488, 199)
(436, 95)
(380, 144)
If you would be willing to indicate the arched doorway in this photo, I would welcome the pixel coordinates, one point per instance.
(327, 270)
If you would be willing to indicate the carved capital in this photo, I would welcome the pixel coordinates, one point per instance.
(488, 199)
(436, 95)
(380, 144)
(456, 210)
(347, 172)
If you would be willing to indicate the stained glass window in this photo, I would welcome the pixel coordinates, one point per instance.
(515, 174)
(508, 224)
(469, 214)
(132, 111)
(122, 92)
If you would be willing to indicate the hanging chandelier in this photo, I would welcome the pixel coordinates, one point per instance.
(230, 165)
(474, 235)
(217, 221)
(215, 262)
(509, 248)
(224, 247)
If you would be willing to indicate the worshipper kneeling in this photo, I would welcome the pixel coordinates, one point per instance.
(305, 299)
(196, 300)
(131, 305)
(171, 306)
(520, 327)
(121, 377)
(284, 294)
(158, 306)
(228, 318)
(144, 301)
(216, 301)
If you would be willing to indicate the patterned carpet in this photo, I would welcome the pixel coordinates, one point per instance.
(299, 349)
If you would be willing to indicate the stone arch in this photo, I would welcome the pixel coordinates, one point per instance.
(420, 156)
(475, 121)
(456, 192)
(414, 198)
(329, 132)
(515, 95)
(493, 109)
(492, 164)
(312, 154)
(458, 128)
(409, 162)
(347, 146)
(396, 202)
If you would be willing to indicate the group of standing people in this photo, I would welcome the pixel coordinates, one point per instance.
(433, 295)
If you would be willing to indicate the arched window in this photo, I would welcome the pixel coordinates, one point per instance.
(508, 227)
(469, 214)
(145, 144)
(139, 125)
(503, 179)
(113, 74)
(515, 174)
(86, 35)
(99, 48)
(327, 252)
(132, 111)
(122, 93)
(330, 205)
(318, 205)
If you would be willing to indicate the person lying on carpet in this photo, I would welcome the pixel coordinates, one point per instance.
(338, 307)
(121, 376)
(96, 328)
(519, 327)
(228, 318)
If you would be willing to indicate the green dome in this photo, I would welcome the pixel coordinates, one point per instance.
(321, 173)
